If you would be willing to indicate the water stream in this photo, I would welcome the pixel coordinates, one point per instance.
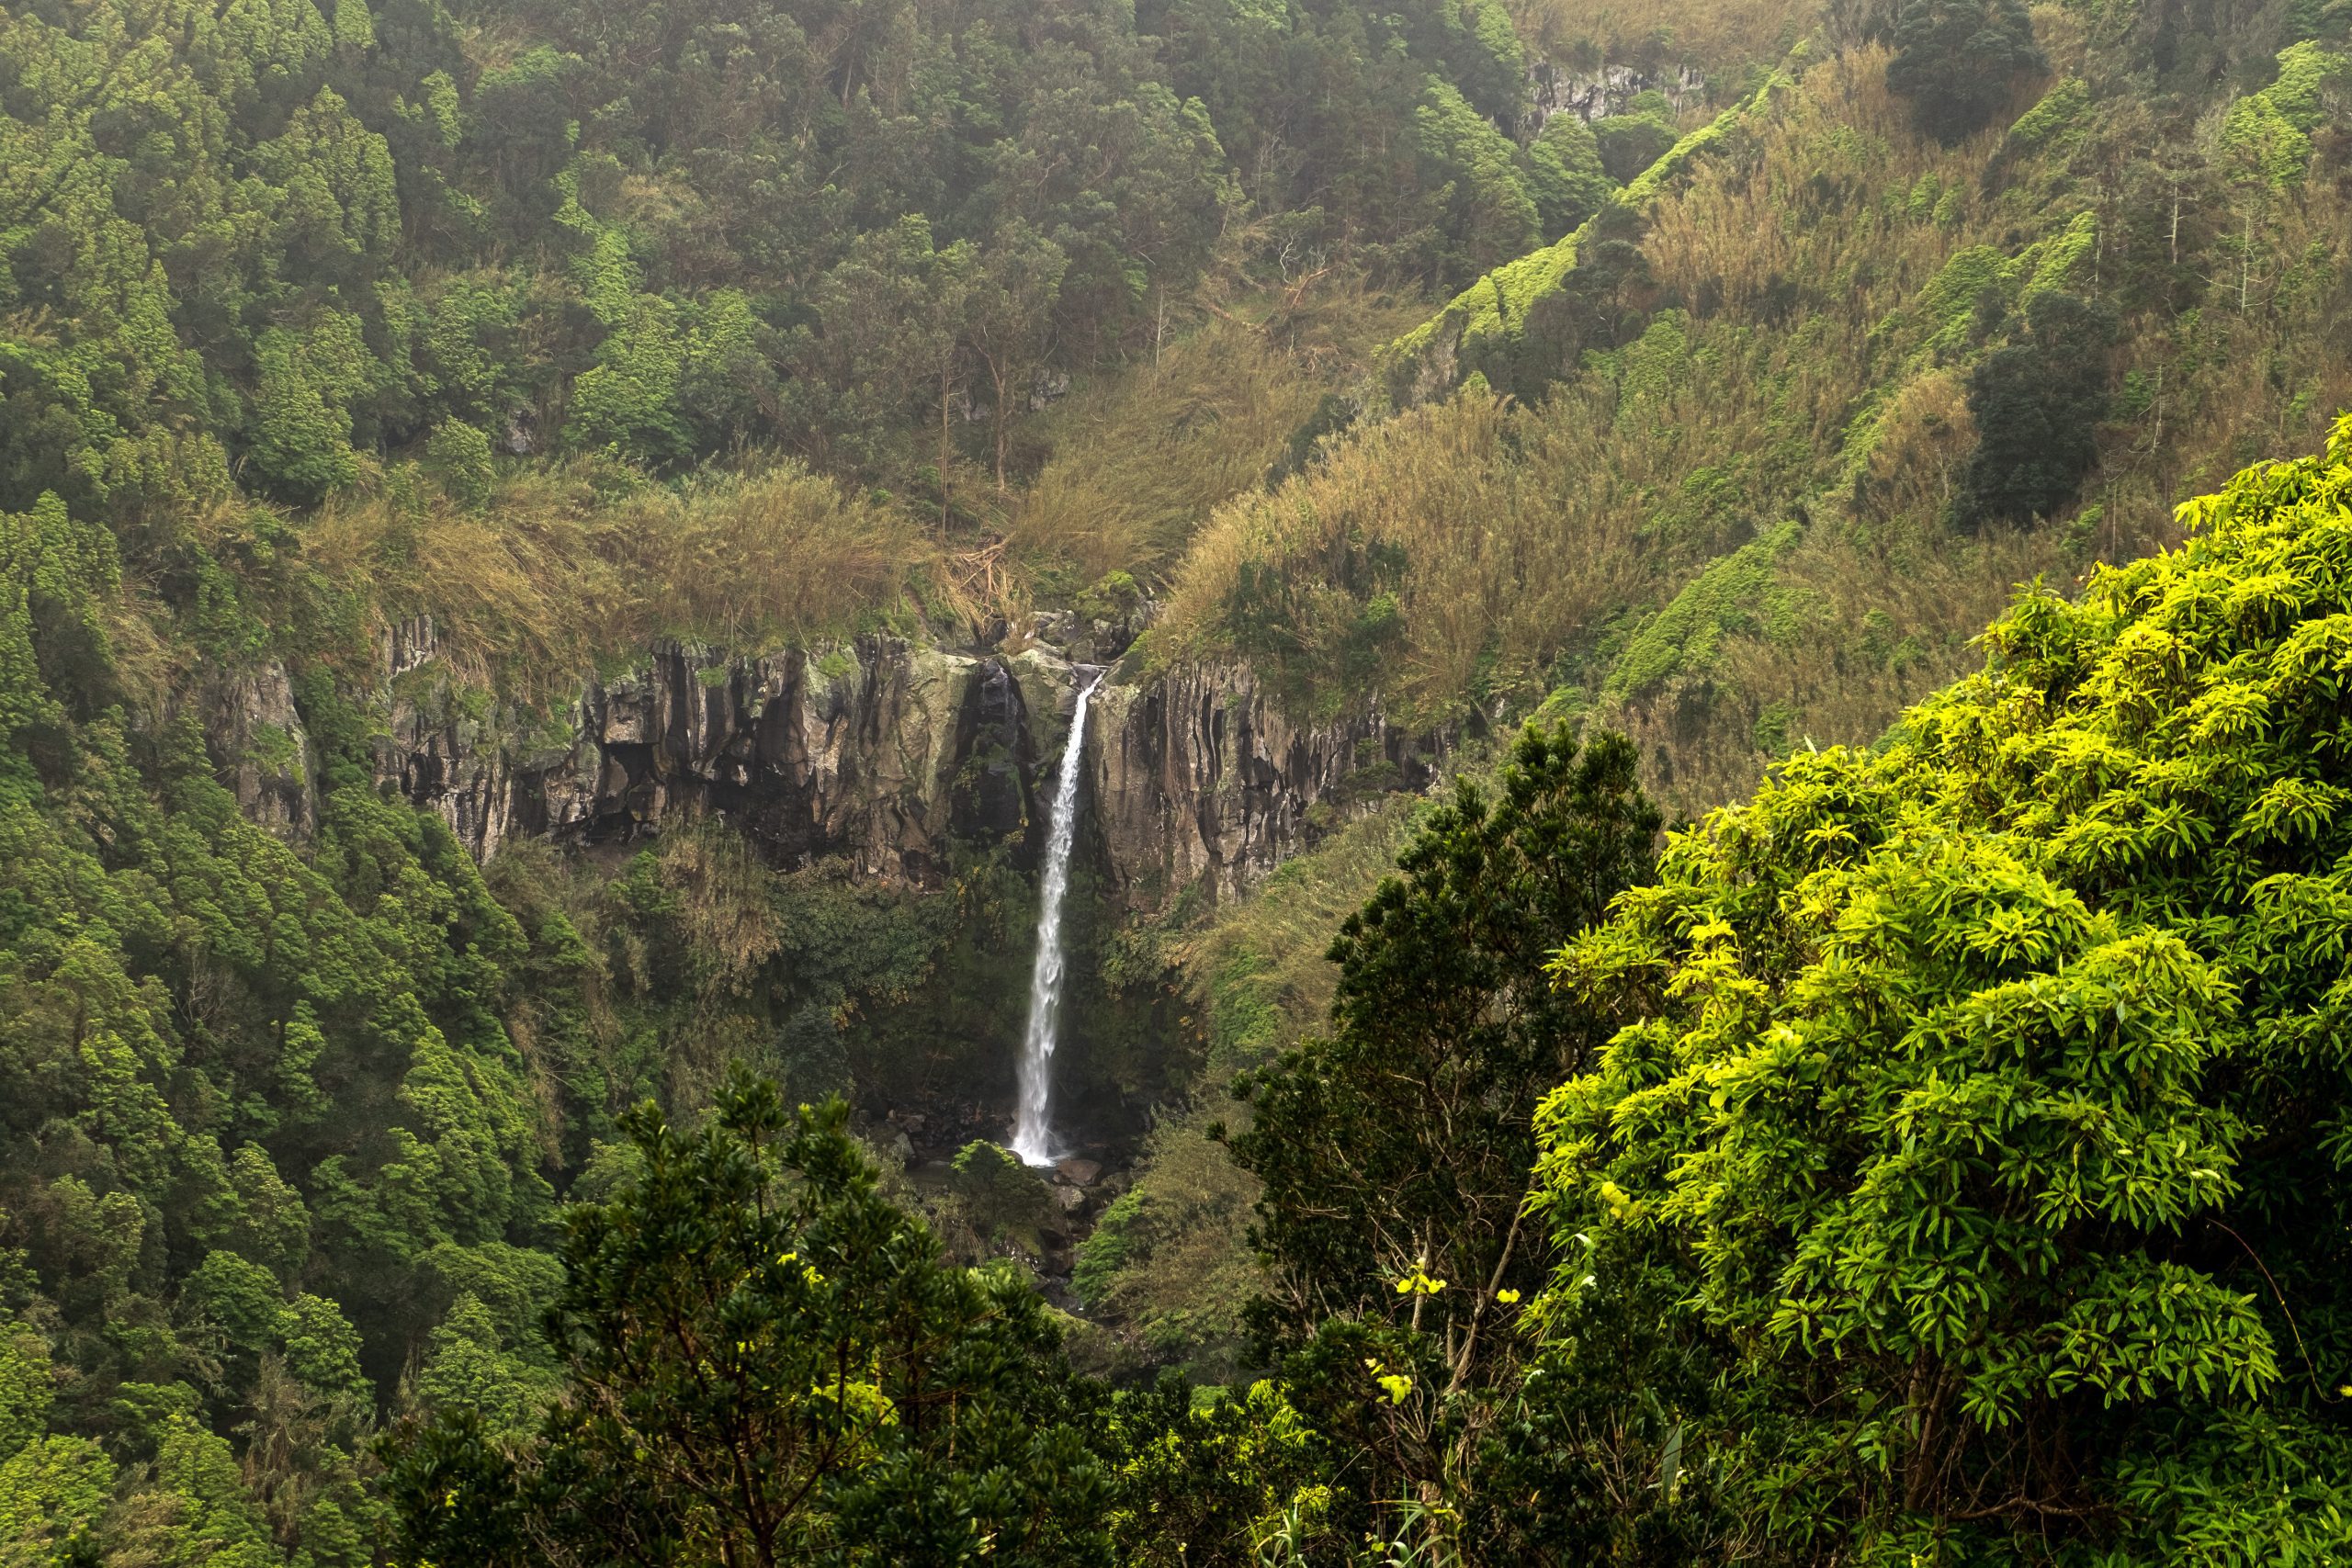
(1031, 1132)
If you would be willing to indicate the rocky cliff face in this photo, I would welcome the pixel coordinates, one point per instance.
(1596, 95)
(261, 747)
(1200, 777)
(883, 750)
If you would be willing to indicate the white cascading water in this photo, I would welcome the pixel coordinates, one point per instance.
(1031, 1138)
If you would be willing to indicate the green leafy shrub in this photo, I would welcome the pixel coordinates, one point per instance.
(747, 1305)
(1981, 1097)
(1628, 143)
(1394, 1150)
(458, 456)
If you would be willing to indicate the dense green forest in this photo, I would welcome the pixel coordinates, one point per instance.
(1934, 1150)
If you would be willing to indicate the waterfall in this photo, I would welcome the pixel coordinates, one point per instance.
(1032, 1139)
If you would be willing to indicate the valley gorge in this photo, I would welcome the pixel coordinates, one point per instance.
(1229, 784)
(891, 760)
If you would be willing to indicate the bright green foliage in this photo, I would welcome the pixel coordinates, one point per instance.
(2057, 116)
(767, 1363)
(338, 199)
(227, 1069)
(1985, 1096)
(1628, 143)
(322, 1348)
(1738, 593)
(242, 1298)
(1497, 326)
(459, 457)
(468, 1369)
(24, 1385)
(627, 404)
(2267, 134)
(309, 378)
(1003, 1197)
(1232, 1479)
(53, 1492)
(195, 1510)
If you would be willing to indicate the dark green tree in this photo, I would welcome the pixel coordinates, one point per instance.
(1958, 61)
(2037, 405)
(766, 1362)
(1563, 173)
(1396, 1151)
(1625, 144)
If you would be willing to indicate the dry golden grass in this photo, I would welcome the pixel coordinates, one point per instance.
(553, 578)
(1924, 435)
(1140, 459)
(725, 902)
(1438, 484)
(1144, 458)
(1810, 204)
(1810, 389)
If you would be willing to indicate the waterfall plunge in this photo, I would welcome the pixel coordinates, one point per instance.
(1031, 1138)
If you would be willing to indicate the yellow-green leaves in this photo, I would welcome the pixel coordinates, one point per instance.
(1995, 1080)
(1395, 1385)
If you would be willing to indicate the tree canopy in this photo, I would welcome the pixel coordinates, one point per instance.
(1984, 1095)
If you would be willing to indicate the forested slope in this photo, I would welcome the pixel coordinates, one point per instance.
(1782, 432)
(567, 328)
(1709, 372)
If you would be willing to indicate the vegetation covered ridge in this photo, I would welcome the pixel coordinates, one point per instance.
(283, 253)
(1769, 456)
(1928, 1160)
(1481, 323)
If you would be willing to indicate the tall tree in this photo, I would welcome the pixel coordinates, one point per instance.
(2037, 405)
(1396, 1151)
(1979, 1114)
(764, 1363)
(1958, 61)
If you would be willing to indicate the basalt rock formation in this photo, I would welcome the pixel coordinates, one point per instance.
(883, 750)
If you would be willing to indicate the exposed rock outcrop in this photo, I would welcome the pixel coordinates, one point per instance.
(260, 747)
(883, 750)
(880, 750)
(1596, 95)
(1203, 778)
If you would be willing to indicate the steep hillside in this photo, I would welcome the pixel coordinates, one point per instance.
(1744, 460)
(518, 529)
(1937, 1156)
